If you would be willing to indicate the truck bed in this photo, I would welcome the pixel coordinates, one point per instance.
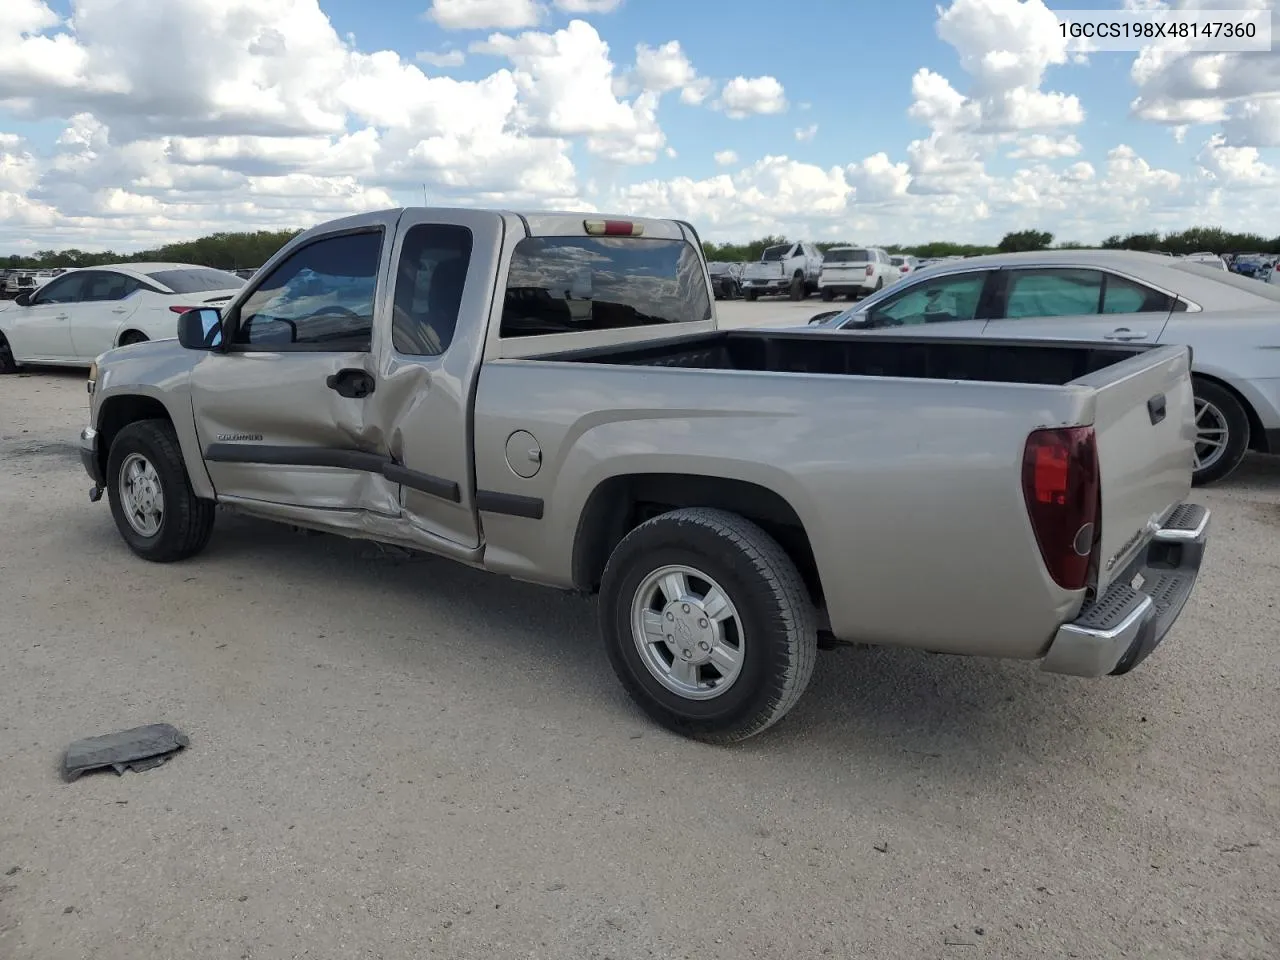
(921, 358)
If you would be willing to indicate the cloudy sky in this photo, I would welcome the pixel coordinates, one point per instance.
(124, 123)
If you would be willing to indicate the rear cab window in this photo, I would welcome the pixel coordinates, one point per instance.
(779, 252)
(576, 284)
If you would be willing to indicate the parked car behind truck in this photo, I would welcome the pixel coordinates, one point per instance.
(549, 398)
(1231, 323)
(790, 268)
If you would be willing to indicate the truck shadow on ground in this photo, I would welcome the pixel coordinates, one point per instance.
(865, 705)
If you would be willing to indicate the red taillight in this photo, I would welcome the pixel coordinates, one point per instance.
(181, 309)
(870, 269)
(1060, 483)
(613, 228)
(904, 268)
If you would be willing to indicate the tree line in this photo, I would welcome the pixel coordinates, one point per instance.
(231, 251)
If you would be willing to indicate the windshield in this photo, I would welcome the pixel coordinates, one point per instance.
(717, 269)
(776, 253)
(575, 284)
(846, 255)
(196, 279)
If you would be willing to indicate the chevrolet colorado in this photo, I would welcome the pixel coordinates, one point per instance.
(548, 396)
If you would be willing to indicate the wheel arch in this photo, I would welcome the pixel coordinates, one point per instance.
(618, 504)
(118, 412)
(1257, 433)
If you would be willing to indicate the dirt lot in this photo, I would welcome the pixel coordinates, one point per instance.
(401, 758)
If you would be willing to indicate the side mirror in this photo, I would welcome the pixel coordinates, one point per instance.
(200, 329)
(23, 299)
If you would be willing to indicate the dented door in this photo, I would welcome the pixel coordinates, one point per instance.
(440, 299)
(288, 413)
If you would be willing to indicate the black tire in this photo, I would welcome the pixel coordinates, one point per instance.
(132, 336)
(879, 285)
(779, 639)
(1217, 403)
(187, 521)
(827, 295)
(797, 291)
(7, 363)
(749, 295)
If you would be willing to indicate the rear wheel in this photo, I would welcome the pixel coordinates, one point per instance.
(152, 503)
(879, 285)
(749, 296)
(1222, 433)
(827, 295)
(7, 363)
(708, 624)
(797, 287)
(132, 336)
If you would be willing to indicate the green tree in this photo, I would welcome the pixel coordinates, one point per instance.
(1025, 240)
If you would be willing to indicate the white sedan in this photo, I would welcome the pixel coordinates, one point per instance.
(75, 317)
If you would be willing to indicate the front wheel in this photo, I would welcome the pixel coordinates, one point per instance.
(152, 503)
(797, 291)
(708, 624)
(1222, 433)
(827, 294)
(749, 295)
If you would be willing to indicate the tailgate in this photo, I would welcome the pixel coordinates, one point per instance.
(772, 270)
(1144, 421)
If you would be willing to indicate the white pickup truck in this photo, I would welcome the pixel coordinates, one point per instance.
(549, 398)
(790, 268)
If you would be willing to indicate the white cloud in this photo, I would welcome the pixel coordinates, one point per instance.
(444, 58)
(666, 68)
(1039, 146)
(587, 6)
(486, 14)
(566, 87)
(726, 158)
(805, 134)
(741, 97)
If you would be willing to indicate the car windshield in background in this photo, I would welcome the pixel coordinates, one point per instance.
(717, 269)
(196, 280)
(1245, 284)
(776, 253)
(566, 284)
(897, 261)
(846, 256)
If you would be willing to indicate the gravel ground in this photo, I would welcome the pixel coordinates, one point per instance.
(402, 758)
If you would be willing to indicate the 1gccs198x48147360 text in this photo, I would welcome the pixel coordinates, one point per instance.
(1088, 31)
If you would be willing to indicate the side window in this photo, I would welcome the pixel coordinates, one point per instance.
(1125, 296)
(64, 289)
(940, 300)
(320, 298)
(429, 283)
(100, 285)
(1052, 292)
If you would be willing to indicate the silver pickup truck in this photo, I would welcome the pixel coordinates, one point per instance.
(548, 397)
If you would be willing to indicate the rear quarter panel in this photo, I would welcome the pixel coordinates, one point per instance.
(909, 490)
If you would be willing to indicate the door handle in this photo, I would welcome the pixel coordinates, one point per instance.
(119, 310)
(352, 383)
(60, 316)
(1124, 333)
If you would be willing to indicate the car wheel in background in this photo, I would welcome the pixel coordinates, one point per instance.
(749, 296)
(1222, 433)
(156, 511)
(708, 624)
(797, 291)
(133, 336)
(827, 295)
(7, 363)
